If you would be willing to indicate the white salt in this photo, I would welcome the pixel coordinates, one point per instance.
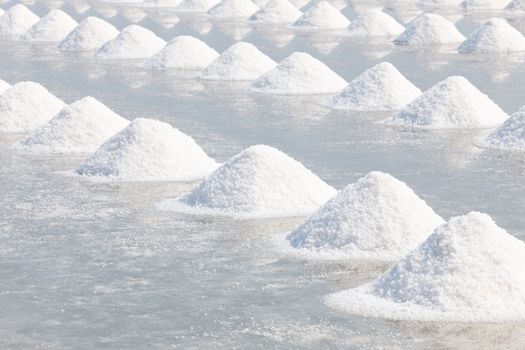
(322, 15)
(233, 9)
(510, 135)
(16, 20)
(133, 42)
(429, 29)
(197, 5)
(54, 26)
(90, 34)
(515, 6)
(4, 86)
(2, 12)
(278, 11)
(495, 35)
(484, 4)
(375, 22)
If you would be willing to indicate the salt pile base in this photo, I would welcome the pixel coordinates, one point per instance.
(322, 16)
(54, 26)
(429, 29)
(149, 150)
(259, 182)
(4, 86)
(197, 5)
(375, 22)
(495, 35)
(452, 103)
(234, 9)
(510, 135)
(133, 42)
(484, 4)
(90, 34)
(16, 20)
(277, 11)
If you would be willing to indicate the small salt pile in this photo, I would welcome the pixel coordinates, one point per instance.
(25, 106)
(322, 16)
(484, 4)
(4, 86)
(375, 22)
(183, 52)
(510, 135)
(197, 5)
(90, 34)
(259, 182)
(451, 103)
(80, 127)
(468, 270)
(233, 9)
(241, 61)
(495, 35)
(16, 20)
(149, 150)
(429, 29)
(299, 73)
(380, 88)
(133, 42)
(54, 26)
(277, 11)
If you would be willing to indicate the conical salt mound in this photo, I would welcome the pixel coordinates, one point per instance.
(510, 135)
(429, 29)
(241, 61)
(484, 4)
(278, 11)
(375, 22)
(90, 34)
(322, 16)
(80, 127)
(378, 217)
(452, 103)
(468, 270)
(4, 86)
(25, 106)
(54, 26)
(149, 150)
(197, 5)
(183, 52)
(299, 73)
(259, 182)
(16, 20)
(380, 88)
(495, 35)
(133, 42)
(234, 9)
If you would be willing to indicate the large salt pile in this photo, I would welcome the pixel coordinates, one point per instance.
(197, 5)
(183, 52)
(90, 34)
(149, 150)
(4, 86)
(278, 11)
(16, 20)
(80, 127)
(234, 9)
(484, 4)
(468, 270)
(299, 73)
(510, 135)
(322, 16)
(375, 22)
(133, 42)
(241, 61)
(451, 103)
(54, 26)
(380, 88)
(495, 35)
(429, 29)
(25, 106)
(260, 181)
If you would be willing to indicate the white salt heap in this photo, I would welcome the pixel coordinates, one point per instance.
(133, 42)
(259, 182)
(515, 6)
(241, 61)
(183, 52)
(54, 26)
(278, 11)
(322, 16)
(90, 34)
(452, 103)
(16, 20)
(510, 135)
(80, 127)
(380, 88)
(4, 86)
(378, 217)
(149, 150)
(299, 73)
(429, 29)
(25, 106)
(197, 5)
(468, 270)
(375, 22)
(485, 4)
(495, 35)
(234, 9)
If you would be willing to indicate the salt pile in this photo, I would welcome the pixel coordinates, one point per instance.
(25, 106)
(90, 34)
(375, 22)
(241, 61)
(380, 88)
(451, 103)
(299, 73)
(133, 42)
(259, 182)
(484, 4)
(197, 5)
(183, 52)
(4, 86)
(495, 35)
(54, 26)
(16, 20)
(80, 127)
(234, 9)
(149, 150)
(322, 15)
(429, 29)
(278, 11)
(515, 6)
(510, 135)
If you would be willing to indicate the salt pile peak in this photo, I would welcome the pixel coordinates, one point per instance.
(90, 34)
(133, 42)
(451, 103)
(54, 26)
(429, 29)
(510, 135)
(484, 4)
(299, 73)
(4, 86)
(380, 88)
(16, 20)
(495, 35)
(80, 127)
(233, 9)
(149, 150)
(278, 11)
(375, 22)
(25, 106)
(322, 15)
(197, 5)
